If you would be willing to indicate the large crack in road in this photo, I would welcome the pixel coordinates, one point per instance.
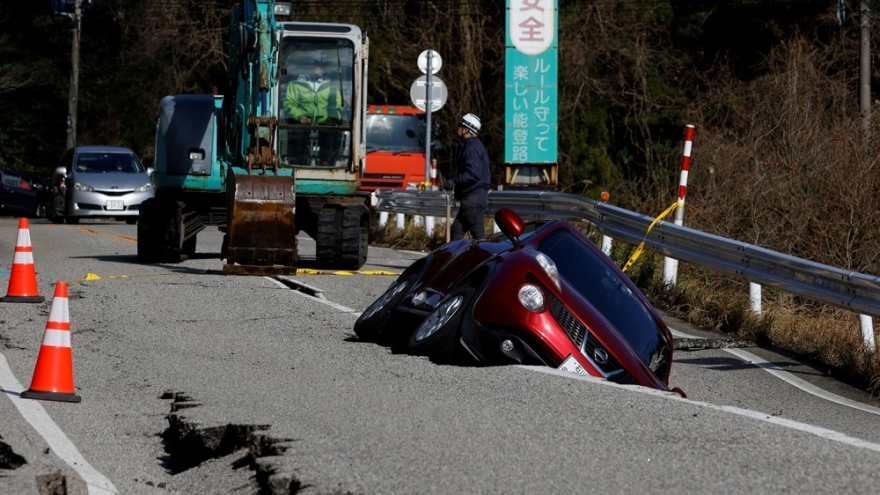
(190, 444)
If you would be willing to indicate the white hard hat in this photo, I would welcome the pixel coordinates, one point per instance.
(471, 122)
(316, 58)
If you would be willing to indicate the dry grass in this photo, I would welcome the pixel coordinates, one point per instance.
(719, 302)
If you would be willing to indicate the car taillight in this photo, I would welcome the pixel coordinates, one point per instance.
(532, 298)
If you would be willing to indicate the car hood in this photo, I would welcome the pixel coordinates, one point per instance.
(107, 181)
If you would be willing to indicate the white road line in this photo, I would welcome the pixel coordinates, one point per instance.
(33, 412)
(746, 356)
(825, 433)
(790, 378)
(321, 300)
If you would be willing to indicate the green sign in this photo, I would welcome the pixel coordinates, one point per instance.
(531, 89)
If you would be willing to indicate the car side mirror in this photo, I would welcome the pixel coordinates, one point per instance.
(150, 171)
(511, 224)
(61, 171)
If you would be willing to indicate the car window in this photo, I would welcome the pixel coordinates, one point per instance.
(10, 180)
(17, 181)
(108, 163)
(602, 286)
(394, 132)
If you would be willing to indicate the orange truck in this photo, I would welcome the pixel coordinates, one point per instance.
(395, 148)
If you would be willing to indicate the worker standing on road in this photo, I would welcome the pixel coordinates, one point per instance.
(470, 180)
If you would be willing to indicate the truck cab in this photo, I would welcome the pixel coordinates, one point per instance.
(395, 148)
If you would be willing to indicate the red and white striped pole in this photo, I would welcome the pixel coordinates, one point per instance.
(429, 221)
(670, 266)
(685, 167)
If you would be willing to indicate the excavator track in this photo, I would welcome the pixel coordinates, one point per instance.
(342, 237)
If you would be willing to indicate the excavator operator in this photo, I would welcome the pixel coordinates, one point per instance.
(314, 99)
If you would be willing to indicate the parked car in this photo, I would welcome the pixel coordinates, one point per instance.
(99, 182)
(19, 195)
(538, 293)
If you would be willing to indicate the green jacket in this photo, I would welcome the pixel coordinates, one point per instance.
(319, 106)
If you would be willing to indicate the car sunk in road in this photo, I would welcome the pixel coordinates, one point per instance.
(537, 293)
(99, 182)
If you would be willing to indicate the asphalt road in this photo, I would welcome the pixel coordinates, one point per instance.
(196, 382)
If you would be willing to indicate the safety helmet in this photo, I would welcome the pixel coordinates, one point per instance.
(316, 58)
(471, 122)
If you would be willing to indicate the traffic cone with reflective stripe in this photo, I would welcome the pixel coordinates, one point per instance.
(53, 375)
(23, 279)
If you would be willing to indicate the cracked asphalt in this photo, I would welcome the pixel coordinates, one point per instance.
(258, 388)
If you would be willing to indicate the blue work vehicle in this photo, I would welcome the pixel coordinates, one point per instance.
(280, 154)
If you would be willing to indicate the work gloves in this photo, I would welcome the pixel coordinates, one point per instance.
(449, 185)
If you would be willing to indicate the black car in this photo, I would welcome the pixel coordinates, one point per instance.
(19, 194)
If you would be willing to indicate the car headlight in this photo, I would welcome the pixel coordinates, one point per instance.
(79, 186)
(532, 298)
(144, 188)
(549, 268)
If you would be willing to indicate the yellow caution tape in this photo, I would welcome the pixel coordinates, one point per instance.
(310, 271)
(300, 271)
(641, 247)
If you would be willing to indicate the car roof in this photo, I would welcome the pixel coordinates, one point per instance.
(103, 149)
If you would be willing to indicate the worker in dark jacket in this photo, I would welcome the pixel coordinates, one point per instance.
(470, 180)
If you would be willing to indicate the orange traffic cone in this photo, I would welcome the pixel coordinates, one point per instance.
(23, 280)
(53, 375)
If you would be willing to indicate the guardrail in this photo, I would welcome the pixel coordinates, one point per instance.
(851, 290)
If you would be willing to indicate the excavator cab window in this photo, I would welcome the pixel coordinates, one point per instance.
(316, 91)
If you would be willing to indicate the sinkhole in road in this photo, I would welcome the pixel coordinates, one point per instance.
(190, 444)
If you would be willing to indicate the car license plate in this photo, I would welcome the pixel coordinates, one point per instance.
(115, 204)
(572, 366)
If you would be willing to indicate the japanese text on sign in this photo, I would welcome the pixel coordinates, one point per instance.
(531, 92)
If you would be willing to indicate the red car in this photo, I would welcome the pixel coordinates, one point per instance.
(537, 293)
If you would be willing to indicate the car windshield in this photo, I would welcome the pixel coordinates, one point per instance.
(102, 163)
(599, 284)
(395, 133)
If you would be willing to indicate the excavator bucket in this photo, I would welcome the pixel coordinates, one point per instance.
(261, 229)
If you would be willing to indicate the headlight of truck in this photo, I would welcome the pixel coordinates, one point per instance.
(549, 268)
(79, 186)
(144, 188)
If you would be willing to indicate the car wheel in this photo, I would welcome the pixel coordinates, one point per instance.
(372, 324)
(436, 336)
